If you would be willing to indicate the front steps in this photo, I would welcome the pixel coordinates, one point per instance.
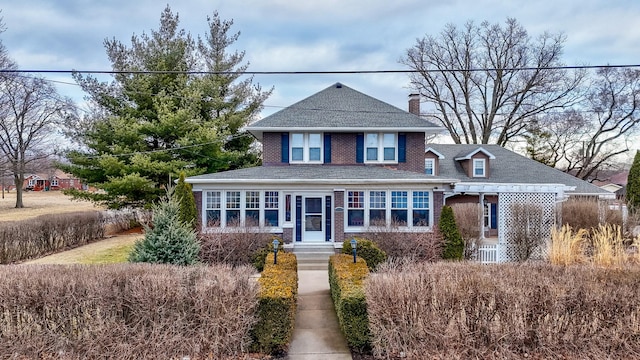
(313, 256)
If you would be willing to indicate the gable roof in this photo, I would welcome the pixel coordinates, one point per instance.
(464, 155)
(340, 108)
(509, 167)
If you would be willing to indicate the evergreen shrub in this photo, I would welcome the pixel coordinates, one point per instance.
(453, 243)
(367, 250)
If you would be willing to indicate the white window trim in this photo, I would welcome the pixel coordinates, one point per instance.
(367, 207)
(54, 182)
(433, 166)
(305, 149)
(380, 159)
(484, 167)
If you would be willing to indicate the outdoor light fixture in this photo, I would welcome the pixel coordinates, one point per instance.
(354, 244)
(275, 251)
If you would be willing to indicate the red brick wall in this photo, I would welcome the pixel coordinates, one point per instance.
(415, 153)
(271, 148)
(343, 148)
(438, 203)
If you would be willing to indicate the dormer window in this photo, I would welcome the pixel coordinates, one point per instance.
(306, 148)
(429, 166)
(381, 147)
(479, 167)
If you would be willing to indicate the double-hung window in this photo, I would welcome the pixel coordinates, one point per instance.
(377, 207)
(271, 206)
(252, 208)
(233, 208)
(399, 206)
(381, 147)
(306, 148)
(420, 208)
(429, 166)
(213, 208)
(479, 169)
(355, 208)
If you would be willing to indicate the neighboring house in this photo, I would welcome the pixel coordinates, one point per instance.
(340, 162)
(58, 180)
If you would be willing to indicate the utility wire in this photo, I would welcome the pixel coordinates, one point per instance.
(327, 72)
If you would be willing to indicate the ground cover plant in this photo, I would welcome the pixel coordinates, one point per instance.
(126, 311)
(506, 311)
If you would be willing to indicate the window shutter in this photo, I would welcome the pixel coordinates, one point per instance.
(494, 216)
(284, 145)
(327, 229)
(360, 148)
(298, 218)
(327, 148)
(402, 148)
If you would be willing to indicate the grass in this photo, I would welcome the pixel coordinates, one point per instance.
(38, 203)
(114, 255)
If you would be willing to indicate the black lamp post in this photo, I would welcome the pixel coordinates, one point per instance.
(354, 244)
(275, 251)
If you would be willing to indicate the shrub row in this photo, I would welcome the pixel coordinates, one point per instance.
(242, 247)
(346, 281)
(396, 243)
(277, 304)
(45, 234)
(126, 311)
(458, 310)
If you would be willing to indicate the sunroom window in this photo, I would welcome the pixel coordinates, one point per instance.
(355, 208)
(381, 208)
(306, 147)
(399, 206)
(213, 208)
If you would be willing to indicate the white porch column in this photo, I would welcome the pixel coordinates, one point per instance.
(481, 206)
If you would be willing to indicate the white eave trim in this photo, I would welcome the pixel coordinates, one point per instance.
(505, 188)
(359, 129)
(435, 181)
(480, 149)
(431, 150)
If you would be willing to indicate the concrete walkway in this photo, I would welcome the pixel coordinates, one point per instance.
(317, 334)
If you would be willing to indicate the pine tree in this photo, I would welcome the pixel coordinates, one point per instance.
(184, 195)
(453, 243)
(176, 103)
(633, 185)
(169, 241)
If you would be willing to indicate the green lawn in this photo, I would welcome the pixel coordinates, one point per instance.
(118, 254)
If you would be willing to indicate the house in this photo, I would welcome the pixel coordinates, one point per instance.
(340, 162)
(56, 180)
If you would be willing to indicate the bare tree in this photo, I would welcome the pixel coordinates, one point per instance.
(486, 82)
(590, 138)
(29, 107)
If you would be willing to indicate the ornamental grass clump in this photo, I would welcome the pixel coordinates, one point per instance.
(567, 246)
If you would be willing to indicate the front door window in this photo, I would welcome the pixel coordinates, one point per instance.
(313, 219)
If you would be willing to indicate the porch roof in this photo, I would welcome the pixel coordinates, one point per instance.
(319, 174)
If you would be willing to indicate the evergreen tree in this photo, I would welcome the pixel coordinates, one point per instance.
(174, 104)
(633, 185)
(453, 243)
(169, 241)
(184, 195)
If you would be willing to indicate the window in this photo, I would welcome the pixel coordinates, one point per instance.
(399, 207)
(381, 147)
(213, 208)
(377, 207)
(32, 182)
(306, 147)
(355, 208)
(271, 206)
(233, 208)
(54, 182)
(479, 167)
(420, 208)
(252, 208)
(287, 207)
(429, 166)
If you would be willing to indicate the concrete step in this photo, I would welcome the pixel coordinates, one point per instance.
(312, 256)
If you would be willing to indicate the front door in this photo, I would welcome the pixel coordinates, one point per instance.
(313, 219)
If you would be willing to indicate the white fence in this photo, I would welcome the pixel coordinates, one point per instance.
(488, 254)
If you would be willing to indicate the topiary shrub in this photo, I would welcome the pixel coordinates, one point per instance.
(259, 257)
(184, 196)
(169, 241)
(367, 250)
(453, 243)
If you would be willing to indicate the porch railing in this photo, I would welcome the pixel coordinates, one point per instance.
(488, 254)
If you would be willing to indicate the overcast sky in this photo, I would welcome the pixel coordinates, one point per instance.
(322, 35)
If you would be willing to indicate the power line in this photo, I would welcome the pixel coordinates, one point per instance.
(314, 72)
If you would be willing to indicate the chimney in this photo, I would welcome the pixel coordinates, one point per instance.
(414, 104)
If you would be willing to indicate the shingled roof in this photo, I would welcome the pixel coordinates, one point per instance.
(509, 167)
(340, 108)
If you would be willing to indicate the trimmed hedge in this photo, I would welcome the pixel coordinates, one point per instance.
(46, 234)
(126, 311)
(367, 250)
(276, 304)
(346, 280)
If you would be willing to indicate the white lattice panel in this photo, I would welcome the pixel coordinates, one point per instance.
(524, 213)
